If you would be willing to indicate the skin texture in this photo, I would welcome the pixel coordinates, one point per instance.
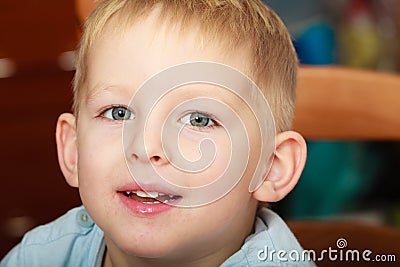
(92, 159)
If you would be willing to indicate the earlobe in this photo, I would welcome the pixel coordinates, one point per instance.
(289, 161)
(67, 148)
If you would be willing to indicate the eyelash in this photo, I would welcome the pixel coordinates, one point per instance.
(110, 107)
(202, 128)
(197, 128)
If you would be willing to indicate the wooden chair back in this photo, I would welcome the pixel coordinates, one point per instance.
(335, 103)
(347, 104)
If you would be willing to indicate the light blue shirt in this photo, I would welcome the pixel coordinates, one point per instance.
(75, 240)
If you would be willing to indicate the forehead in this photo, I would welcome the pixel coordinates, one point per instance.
(145, 47)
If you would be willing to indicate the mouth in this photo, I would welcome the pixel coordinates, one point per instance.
(149, 197)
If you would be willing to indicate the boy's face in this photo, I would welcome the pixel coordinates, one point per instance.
(117, 65)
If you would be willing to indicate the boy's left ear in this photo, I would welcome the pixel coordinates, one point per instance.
(289, 160)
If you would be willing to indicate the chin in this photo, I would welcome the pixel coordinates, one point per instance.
(151, 248)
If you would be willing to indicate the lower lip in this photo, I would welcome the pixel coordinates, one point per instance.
(141, 208)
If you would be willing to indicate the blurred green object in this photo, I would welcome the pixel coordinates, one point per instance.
(336, 175)
(397, 215)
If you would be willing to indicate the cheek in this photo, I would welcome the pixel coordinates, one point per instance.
(99, 156)
(193, 146)
(211, 152)
(98, 168)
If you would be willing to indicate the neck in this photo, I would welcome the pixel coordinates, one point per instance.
(116, 258)
(110, 261)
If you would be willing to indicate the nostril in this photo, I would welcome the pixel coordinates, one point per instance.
(155, 158)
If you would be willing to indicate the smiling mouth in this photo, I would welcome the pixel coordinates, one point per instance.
(150, 197)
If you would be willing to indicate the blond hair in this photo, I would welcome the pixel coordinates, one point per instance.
(273, 60)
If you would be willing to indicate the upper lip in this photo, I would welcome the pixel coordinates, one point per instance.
(133, 186)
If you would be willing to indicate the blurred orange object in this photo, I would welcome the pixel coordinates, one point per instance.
(83, 9)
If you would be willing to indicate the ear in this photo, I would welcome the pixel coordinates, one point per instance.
(289, 160)
(67, 148)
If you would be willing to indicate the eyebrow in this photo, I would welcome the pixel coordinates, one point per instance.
(102, 88)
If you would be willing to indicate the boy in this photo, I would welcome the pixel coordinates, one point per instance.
(129, 216)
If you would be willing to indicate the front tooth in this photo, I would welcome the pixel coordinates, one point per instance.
(147, 194)
(141, 194)
(152, 194)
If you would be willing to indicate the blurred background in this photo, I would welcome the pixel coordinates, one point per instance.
(351, 180)
(346, 180)
(36, 40)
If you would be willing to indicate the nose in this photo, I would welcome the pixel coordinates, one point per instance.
(153, 157)
(144, 146)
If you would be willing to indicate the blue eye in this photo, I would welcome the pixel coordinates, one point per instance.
(118, 114)
(197, 119)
